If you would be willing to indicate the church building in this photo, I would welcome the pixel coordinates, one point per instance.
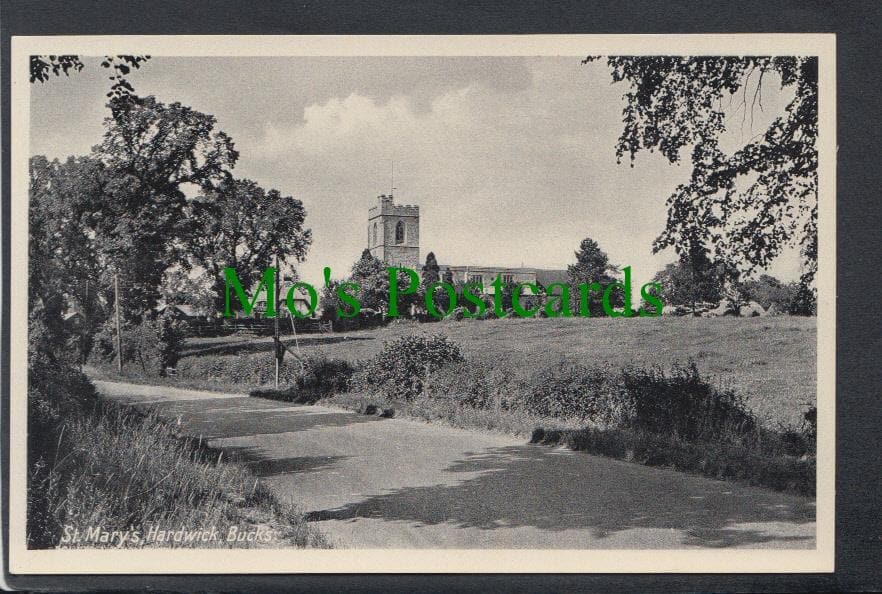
(394, 239)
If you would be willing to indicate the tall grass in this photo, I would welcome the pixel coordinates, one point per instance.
(114, 468)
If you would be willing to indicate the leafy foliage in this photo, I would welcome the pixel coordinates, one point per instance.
(475, 382)
(575, 390)
(241, 225)
(151, 152)
(153, 345)
(42, 66)
(63, 266)
(325, 375)
(431, 270)
(768, 291)
(592, 266)
(804, 302)
(370, 273)
(692, 279)
(400, 369)
(179, 288)
(747, 205)
(684, 403)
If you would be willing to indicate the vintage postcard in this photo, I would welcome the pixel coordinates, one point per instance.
(538, 303)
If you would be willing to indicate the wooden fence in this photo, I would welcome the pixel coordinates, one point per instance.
(255, 327)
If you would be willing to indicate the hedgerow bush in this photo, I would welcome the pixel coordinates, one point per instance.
(325, 375)
(684, 403)
(319, 375)
(401, 367)
(252, 369)
(476, 383)
(572, 389)
(153, 345)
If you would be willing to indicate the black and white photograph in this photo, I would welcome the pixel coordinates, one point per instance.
(439, 304)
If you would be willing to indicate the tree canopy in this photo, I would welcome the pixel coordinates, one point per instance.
(431, 271)
(592, 266)
(241, 225)
(745, 205)
(371, 275)
(690, 280)
(150, 153)
(44, 67)
(768, 291)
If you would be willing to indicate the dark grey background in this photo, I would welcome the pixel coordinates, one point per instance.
(859, 235)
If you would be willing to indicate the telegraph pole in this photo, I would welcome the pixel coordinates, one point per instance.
(119, 356)
(276, 339)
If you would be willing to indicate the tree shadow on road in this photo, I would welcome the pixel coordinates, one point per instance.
(261, 463)
(555, 490)
(216, 418)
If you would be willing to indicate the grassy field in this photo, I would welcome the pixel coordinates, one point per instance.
(771, 361)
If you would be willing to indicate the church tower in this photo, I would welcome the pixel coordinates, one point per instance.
(394, 233)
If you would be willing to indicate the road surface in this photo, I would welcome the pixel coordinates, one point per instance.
(393, 483)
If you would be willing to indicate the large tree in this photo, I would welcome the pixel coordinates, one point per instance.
(746, 205)
(63, 267)
(431, 271)
(768, 291)
(241, 225)
(150, 154)
(373, 278)
(592, 266)
(693, 278)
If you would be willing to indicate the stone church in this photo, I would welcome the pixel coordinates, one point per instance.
(394, 238)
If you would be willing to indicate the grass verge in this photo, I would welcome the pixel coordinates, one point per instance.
(720, 460)
(113, 468)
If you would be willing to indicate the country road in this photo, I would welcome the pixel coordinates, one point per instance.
(394, 483)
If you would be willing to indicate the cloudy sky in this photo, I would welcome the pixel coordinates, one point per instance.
(510, 159)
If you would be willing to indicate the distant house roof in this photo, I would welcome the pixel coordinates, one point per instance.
(543, 276)
(512, 269)
(546, 277)
(185, 309)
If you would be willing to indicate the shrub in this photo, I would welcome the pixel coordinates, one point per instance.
(318, 377)
(154, 345)
(103, 343)
(575, 390)
(401, 367)
(251, 369)
(477, 383)
(325, 375)
(170, 335)
(685, 404)
(752, 463)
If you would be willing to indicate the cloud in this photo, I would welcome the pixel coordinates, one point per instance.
(502, 177)
(510, 159)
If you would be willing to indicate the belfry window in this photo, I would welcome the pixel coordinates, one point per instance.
(399, 232)
(375, 235)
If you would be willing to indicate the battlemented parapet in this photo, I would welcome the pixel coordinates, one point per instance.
(394, 232)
